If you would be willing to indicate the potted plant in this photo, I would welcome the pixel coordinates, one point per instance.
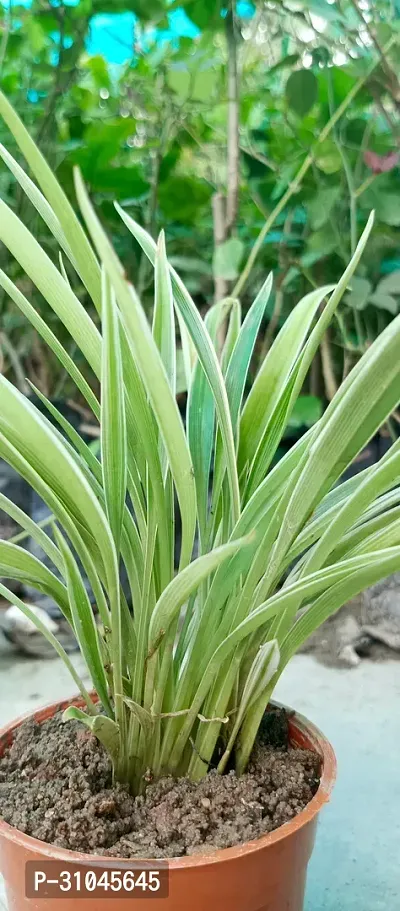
(183, 679)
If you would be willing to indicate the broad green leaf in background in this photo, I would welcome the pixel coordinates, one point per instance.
(327, 157)
(306, 412)
(385, 301)
(301, 91)
(227, 259)
(321, 205)
(359, 293)
(390, 284)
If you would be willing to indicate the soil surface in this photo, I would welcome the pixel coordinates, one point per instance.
(56, 785)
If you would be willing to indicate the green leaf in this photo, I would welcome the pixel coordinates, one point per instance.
(163, 317)
(36, 35)
(188, 196)
(179, 80)
(164, 325)
(24, 428)
(113, 422)
(327, 157)
(390, 284)
(274, 373)
(201, 418)
(51, 340)
(144, 717)
(48, 635)
(98, 68)
(84, 623)
(385, 203)
(153, 374)
(32, 529)
(321, 206)
(301, 91)
(39, 201)
(179, 590)
(80, 246)
(44, 274)
(306, 412)
(239, 363)
(385, 301)
(206, 14)
(359, 293)
(227, 259)
(232, 335)
(17, 563)
(106, 730)
(288, 61)
(349, 422)
(320, 244)
(206, 354)
(340, 593)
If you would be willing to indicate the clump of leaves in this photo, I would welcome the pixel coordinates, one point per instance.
(281, 546)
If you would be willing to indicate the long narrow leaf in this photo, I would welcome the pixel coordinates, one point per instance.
(77, 240)
(206, 354)
(84, 623)
(44, 274)
(154, 376)
(113, 424)
(51, 340)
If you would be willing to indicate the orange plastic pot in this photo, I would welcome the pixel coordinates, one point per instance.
(268, 874)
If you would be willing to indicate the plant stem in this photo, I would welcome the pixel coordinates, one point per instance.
(225, 207)
(232, 196)
(331, 386)
(294, 186)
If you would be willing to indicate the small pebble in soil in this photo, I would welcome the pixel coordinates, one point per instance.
(56, 785)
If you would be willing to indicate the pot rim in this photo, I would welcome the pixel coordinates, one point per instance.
(299, 724)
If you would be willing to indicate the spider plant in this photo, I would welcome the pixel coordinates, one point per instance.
(192, 658)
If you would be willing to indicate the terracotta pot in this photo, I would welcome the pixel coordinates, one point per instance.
(268, 874)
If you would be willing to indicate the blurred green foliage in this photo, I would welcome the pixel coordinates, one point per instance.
(152, 134)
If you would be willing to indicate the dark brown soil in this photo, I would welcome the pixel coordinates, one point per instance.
(55, 784)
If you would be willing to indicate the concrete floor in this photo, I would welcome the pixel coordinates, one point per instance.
(354, 866)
